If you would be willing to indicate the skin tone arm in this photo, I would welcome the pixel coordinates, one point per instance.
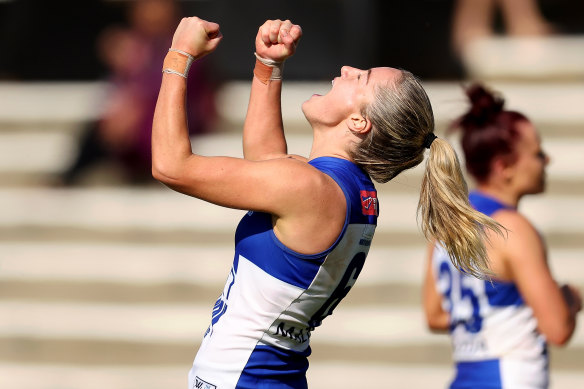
(438, 319)
(524, 18)
(171, 145)
(298, 196)
(522, 258)
(263, 132)
(472, 19)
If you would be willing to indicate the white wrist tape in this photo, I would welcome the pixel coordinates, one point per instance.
(268, 69)
(177, 62)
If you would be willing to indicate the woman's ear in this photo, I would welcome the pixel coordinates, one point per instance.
(358, 124)
(503, 167)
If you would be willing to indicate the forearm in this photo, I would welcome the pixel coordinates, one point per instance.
(437, 319)
(573, 303)
(263, 131)
(555, 318)
(559, 329)
(439, 323)
(171, 144)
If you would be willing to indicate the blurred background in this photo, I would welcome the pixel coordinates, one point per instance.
(107, 279)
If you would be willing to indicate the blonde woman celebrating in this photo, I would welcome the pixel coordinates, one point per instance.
(310, 224)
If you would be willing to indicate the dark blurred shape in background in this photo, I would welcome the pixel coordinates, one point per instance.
(55, 40)
(133, 54)
(52, 40)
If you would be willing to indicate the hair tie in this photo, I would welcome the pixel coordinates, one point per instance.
(429, 139)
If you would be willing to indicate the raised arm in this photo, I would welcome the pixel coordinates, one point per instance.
(171, 146)
(263, 132)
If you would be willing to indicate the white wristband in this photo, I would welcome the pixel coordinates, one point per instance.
(178, 64)
(277, 67)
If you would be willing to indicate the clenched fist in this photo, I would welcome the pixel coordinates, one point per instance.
(277, 40)
(196, 36)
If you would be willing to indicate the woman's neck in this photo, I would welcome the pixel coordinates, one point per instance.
(503, 196)
(331, 142)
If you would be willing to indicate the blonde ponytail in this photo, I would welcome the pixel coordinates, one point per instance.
(447, 216)
(402, 120)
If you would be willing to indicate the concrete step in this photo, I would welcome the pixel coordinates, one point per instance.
(559, 57)
(185, 323)
(148, 265)
(42, 103)
(33, 158)
(162, 210)
(57, 106)
(175, 325)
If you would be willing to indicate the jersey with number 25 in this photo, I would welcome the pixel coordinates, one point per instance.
(494, 333)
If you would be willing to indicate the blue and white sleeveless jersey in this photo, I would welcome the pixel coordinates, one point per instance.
(494, 333)
(275, 297)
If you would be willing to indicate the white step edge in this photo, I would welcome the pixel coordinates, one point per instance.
(162, 209)
(53, 152)
(180, 323)
(74, 101)
(144, 264)
(37, 102)
(177, 324)
(550, 57)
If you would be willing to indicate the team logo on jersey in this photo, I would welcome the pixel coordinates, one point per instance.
(369, 205)
(201, 384)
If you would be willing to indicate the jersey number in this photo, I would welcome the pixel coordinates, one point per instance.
(472, 322)
(341, 291)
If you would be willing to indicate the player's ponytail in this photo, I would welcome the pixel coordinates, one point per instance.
(402, 128)
(447, 216)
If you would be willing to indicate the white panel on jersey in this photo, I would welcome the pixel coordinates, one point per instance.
(225, 352)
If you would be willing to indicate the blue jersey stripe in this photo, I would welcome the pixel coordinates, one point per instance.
(486, 204)
(478, 375)
(270, 367)
(502, 294)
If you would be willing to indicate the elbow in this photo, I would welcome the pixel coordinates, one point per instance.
(165, 173)
(438, 323)
(561, 336)
(157, 174)
(558, 338)
(559, 341)
(437, 327)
